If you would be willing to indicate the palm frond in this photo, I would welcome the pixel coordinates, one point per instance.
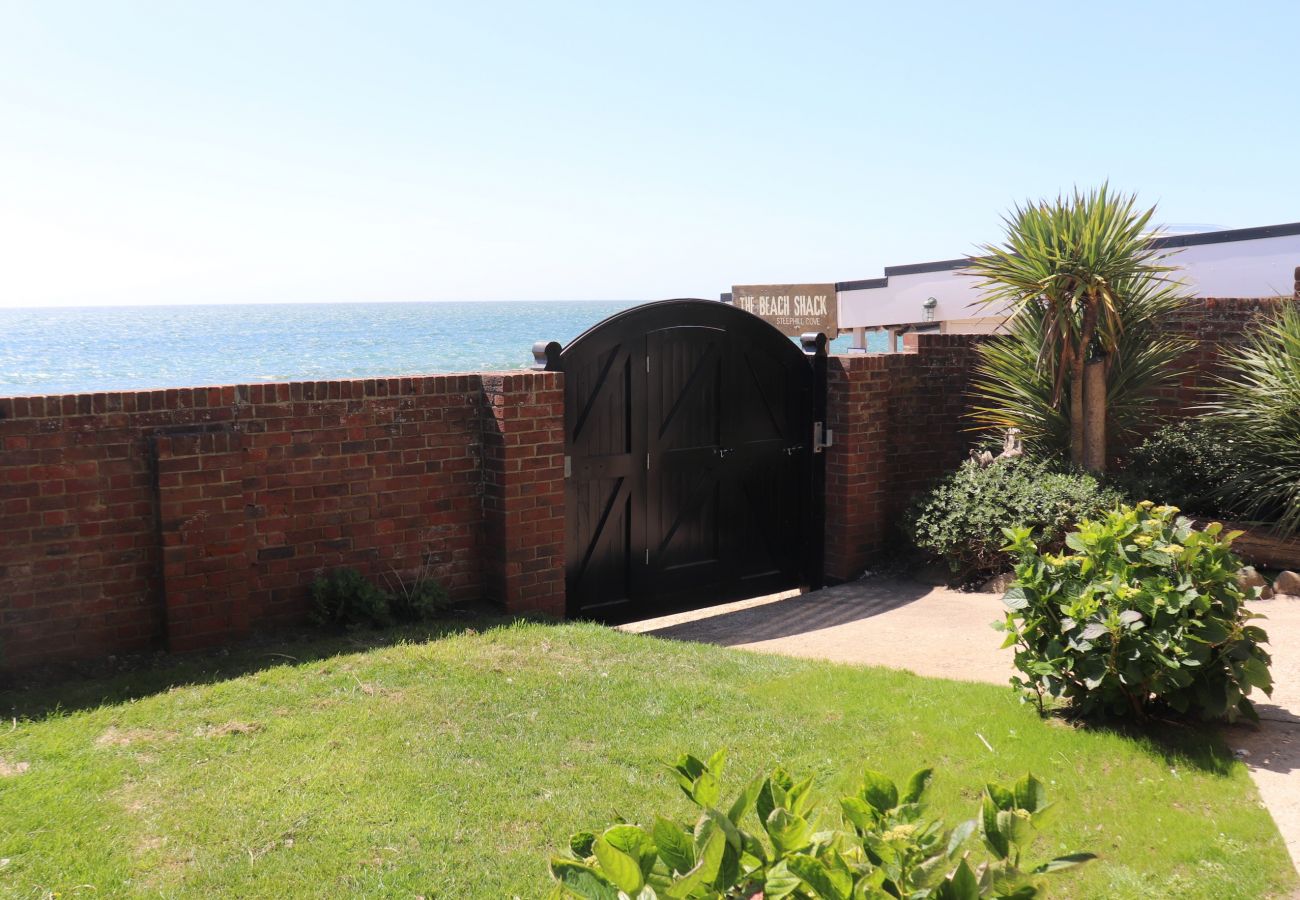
(1257, 400)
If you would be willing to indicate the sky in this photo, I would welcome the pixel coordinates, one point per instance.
(225, 152)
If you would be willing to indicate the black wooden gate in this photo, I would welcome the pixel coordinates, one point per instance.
(692, 472)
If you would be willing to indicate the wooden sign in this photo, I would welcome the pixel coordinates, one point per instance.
(794, 308)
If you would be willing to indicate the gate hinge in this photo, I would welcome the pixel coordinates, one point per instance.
(647, 462)
(568, 467)
(822, 437)
(647, 556)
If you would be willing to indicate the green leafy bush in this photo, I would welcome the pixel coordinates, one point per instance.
(880, 846)
(1185, 465)
(962, 518)
(1258, 403)
(345, 599)
(1143, 612)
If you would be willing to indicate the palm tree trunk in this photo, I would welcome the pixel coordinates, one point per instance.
(1076, 419)
(1079, 390)
(1094, 416)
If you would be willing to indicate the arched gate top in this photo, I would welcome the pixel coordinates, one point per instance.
(683, 312)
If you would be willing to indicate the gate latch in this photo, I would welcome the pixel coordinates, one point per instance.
(568, 467)
(822, 437)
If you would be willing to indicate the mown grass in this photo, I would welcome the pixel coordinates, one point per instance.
(452, 767)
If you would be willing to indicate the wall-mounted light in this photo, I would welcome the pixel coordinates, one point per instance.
(929, 307)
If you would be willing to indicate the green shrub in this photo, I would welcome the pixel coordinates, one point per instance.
(1258, 403)
(417, 599)
(962, 518)
(881, 847)
(1142, 613)
(345, 599)
(1184, 465)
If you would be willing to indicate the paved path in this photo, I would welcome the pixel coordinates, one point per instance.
(945, 634)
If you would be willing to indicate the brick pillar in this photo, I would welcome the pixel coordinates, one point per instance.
(202, 527)
(523, 491)
(857, 486)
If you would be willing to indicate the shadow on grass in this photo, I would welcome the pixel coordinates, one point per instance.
(39, 693)
(1190, 745)
(839, 605)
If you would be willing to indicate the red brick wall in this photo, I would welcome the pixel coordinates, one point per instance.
(182, 518)
(523, 491)
(1214, 324)
(898, 423)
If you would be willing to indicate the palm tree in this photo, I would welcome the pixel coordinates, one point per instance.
(1013, 379)
(1072, 267)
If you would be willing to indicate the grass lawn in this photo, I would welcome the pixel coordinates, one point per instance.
(453, 766)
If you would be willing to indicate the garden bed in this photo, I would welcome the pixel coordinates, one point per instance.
(1262, 548)
(455, 766)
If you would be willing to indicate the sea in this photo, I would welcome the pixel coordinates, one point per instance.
(69, 350)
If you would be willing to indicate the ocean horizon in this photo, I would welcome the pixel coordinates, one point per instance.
(89, 349)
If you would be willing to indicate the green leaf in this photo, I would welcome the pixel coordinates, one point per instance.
(675, 846)
(620, 868)
(879, 791)
(959, 836)
(859, 813)
(717, 762)
(1075, 541)
(1001, 797)
(992, 834)
(1029, 793)
(830, 884)
(635, 842)
(772, 793)
(581, 880)
(780, 882)
(960, 885)
(580, 843)
(917, 784)
(707, 790)
(1068, 861)
(1256, 674)
(1212, 632)
(787, 831)
(1016, 827)
(705, 871)
(745, 801)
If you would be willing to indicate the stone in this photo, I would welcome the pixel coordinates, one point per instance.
(1287, 583)
(998, 584)
(1248, 578)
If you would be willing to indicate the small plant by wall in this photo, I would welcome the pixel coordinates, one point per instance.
(961, 520)
(345, 599)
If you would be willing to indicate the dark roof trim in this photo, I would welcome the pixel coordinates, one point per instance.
(861, 285)
(942, 265)
(1227, 237)
(1167, 242)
